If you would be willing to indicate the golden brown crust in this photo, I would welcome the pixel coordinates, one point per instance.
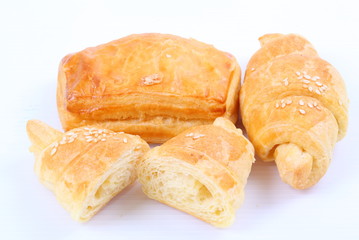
(217, 156)
(291, 95)
(84, 167)
(157, 79)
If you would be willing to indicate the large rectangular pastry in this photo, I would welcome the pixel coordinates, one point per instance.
(153, 85)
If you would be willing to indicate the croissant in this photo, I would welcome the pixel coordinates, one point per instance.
(202, 171)
(294, 107)
(84, 167)
(154, 85)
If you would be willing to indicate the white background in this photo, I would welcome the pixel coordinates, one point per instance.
(35, 35)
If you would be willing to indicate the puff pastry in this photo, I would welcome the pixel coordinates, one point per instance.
(294, 107)
(153, 85)
(202, 171)
(84, 167)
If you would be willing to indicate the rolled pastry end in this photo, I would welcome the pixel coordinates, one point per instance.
(294, 165)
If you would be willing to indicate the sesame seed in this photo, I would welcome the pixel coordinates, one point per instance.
(198, 136)
(96, 134)
(95, 140)
(306, 81)
(282, 101)
(285, 81)
(307, 76)
(315, 104)
(168, 55)
(301, 111)
(103, 139)
(298, 73)
(277, 105)
(300, 77)
(283, 105)
(56, 144)
(319, 108)
(310, 105)
(62, 142)
(315, 78)
(189, 134)
(301, 102)
(252, 69)
(304, 72)
(137, 147)
(53, 151)
(319, 84)
(88, 137)
(125, 140)
(89, 140)
(289, 101)
(318, 92)
(151, 79)
(86, 128)
(71, 140)
(310, 89)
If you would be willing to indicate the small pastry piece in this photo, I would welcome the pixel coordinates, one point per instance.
(153, 85)
(202, 171)
(85, 167)
(294, 107)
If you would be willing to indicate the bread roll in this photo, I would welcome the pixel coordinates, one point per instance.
(153, 85)
(202, 171)
(294, 106)
(85, 167)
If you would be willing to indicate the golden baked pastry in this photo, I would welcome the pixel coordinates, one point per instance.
(294, 107)
(85, 167)
(153, 85)
(202, 171)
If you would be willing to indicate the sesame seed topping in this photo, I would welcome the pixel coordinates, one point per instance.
(319, 84)
(317, 91)
(125, 140)
(306, 81)
(151, 79)
(307, 76)
(62, 142)
(300, 77)
(319, 108)
(89, 140)
(95, 140)
(310, 105)
(304, 72)
(301, 102)
(277, 105)
(71, 140)
(298, 73)
(285, 81)
(289, 101)
(168, 55)
(315, 104)
(283, 105)
(198, 136)
(137, 147)
(252, 69)
(315, 78)
(302, 111)
(189, 135)
(103, 139)
(310, 89)
(53, 151)
(282, 101)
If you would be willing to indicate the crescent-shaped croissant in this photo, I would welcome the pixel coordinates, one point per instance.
(294, 107)
(85, 167)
